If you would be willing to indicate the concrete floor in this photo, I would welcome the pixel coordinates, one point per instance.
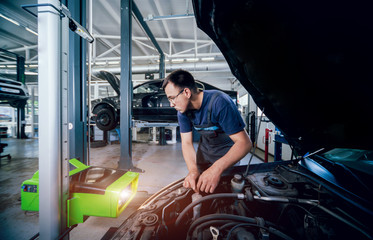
(162, 165)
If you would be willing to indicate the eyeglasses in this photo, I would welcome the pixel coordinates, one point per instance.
(172, 99)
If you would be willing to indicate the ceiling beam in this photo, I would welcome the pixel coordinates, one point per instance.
(13, 38)
(24, 48)
(146, 45)
(195, 38)
(165, 25)
(115, 15)
(193, 48)
(108, 44)
(19, 17)
(186, 40)
(149, 57)
(108, 51)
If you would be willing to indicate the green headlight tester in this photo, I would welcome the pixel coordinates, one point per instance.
(94, 191)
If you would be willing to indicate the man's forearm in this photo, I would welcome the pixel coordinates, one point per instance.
(189, 155)
(240, 148)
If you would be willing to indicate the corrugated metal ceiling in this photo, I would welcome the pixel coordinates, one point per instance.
(180, 39)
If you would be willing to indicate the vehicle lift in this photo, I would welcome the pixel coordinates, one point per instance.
(162, 127)
(279, 140)
(20, 107)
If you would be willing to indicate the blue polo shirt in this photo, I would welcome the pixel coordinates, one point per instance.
(224, 114)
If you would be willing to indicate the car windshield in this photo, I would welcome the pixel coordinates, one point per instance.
(346, 154)
(352, 167)
(106, 91)
(147, 88)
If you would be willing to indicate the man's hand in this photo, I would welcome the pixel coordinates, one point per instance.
(190, 180)
(209, 180)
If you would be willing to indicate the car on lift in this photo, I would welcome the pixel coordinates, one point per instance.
(308, 66)
(13, 93)
(149, 103)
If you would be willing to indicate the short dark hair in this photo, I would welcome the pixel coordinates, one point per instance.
(181, 78)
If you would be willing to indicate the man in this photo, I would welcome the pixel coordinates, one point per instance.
(213, 114)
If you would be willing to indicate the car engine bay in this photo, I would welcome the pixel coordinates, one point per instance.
(274, 201)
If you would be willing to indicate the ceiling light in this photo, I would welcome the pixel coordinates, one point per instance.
(177, 60)
(11, 66)
(31, 31)
(166, 60)
(31, 73)
(114, 62)
(100, 63)
(2, 66)
(9, 19)
(208, 59)
(33, 66)
(192, 59)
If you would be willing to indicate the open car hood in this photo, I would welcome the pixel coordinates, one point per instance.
(308, 65)
(111, 78)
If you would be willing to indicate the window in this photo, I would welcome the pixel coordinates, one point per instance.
(147, 88)
(106, 91)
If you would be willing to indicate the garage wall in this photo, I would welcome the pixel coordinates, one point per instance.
(286, 150)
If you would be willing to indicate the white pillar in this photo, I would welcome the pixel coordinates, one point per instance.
(49, 29)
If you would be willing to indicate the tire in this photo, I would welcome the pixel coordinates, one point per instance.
(18, 104)
(105, 119)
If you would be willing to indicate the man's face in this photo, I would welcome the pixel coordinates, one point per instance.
(177, 97)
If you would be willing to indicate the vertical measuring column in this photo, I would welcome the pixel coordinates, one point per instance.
(49, 52)
(125, 161)
(32, 111)
(64, 93)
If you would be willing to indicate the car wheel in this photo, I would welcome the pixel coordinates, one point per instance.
(18, 104)
(105, 119)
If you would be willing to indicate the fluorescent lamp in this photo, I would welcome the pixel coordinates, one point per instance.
(166, 60)
(114, 62)
(208, 59)
(31, 31)
(9, 19)
(192, 59)
(33, 66)
(2, 66)
(100, 63)
(177, 60)
(31, 73)
(11, 66)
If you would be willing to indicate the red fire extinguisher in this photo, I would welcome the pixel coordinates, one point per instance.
(267, 140)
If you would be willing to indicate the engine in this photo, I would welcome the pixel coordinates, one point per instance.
(277, 203)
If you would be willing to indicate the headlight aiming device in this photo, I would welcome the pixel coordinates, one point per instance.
(94, 191)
